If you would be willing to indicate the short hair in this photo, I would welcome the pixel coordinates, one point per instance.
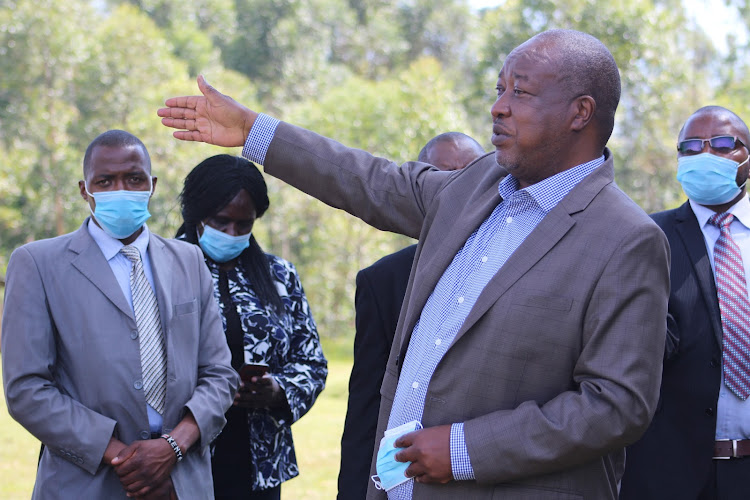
(720, 110)
(587, 67)
(114, 139)
(457, 137)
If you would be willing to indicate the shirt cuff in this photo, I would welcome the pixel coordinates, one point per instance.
(460, 462)
(259, 138)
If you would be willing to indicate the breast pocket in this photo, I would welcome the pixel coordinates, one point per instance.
(543, 305)
(186, 307)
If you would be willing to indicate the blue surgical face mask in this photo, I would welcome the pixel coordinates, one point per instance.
(709, 179)
(390, 472)
(121, 213)
(222, 247)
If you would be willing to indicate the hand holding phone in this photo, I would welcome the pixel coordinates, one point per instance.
(250, 370)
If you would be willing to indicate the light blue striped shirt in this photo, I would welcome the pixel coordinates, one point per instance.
(483, 254)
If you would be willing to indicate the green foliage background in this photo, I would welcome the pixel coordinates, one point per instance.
(381, 75)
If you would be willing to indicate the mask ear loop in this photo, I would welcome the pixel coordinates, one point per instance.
(376, 480)
(738, 167)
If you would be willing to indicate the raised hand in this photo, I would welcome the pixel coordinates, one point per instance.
(213, 117)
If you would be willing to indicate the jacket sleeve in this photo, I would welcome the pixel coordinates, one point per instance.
(217, 380)
(376, 190)
(68, 429)
(303, 376)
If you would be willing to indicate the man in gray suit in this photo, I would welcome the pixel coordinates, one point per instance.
(113, 351)
(530, 340)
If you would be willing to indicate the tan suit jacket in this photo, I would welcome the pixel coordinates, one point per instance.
(558, 365)
(71, 361)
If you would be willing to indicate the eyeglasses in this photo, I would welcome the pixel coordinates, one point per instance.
(720, 144)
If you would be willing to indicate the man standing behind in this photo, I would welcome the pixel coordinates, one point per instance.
(697, 445)
(113, 351)
(380, 292)
(531, 339)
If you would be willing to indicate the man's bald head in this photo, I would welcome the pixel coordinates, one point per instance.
(450, 151)
(584, 67)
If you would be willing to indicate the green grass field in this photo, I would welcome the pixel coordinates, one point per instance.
(316, 437)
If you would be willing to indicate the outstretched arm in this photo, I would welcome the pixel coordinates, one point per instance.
(213, 117)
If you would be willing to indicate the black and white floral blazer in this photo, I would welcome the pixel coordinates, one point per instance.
(290, 345)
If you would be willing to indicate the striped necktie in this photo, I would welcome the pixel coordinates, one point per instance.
(150, 335)
(734, 306)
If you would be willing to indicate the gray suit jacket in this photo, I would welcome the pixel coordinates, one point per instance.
(71, 359)
(558, 365)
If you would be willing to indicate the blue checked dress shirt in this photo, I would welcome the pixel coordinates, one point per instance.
(483, 254)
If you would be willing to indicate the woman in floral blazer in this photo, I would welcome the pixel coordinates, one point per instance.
(267, 321)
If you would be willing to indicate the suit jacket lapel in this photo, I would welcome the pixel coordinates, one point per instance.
(541, 240)
(90, 261)
(448, 238)
(161, 264)
(695, 245)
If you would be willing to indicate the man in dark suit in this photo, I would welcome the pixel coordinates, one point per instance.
(531, 338)
(380, 292)
(697, 443)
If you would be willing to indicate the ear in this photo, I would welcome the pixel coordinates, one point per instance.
(153, 184)
(582, 108)
(82, 190)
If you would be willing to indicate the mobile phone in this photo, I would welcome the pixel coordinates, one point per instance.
(250, 370)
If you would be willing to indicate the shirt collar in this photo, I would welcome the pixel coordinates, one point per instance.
(110, 246)
(548, 192)
(740, 210)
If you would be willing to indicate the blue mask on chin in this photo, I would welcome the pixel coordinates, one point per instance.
(390, 472)
(121, 213)
(709, 179)
(222, 247)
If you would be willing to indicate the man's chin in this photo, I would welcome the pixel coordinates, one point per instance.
(502, 159)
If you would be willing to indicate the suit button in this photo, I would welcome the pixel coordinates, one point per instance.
(138, 385)
(714, 363)
(134, 334)
(145, 435)
(710, 412)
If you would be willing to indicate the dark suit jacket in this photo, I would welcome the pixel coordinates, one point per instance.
(380, 292)
(558, 365)
(673, 458)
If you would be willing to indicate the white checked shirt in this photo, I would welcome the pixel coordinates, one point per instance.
(483, 254)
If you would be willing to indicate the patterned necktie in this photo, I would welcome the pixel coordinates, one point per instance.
(735, 308)
(151, 338)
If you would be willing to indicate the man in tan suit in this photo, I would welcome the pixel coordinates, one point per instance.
(530, 341)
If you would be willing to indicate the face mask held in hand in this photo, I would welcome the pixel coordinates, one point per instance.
(390, 472)
(121, 213)
(222, 247)
(708, 179)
